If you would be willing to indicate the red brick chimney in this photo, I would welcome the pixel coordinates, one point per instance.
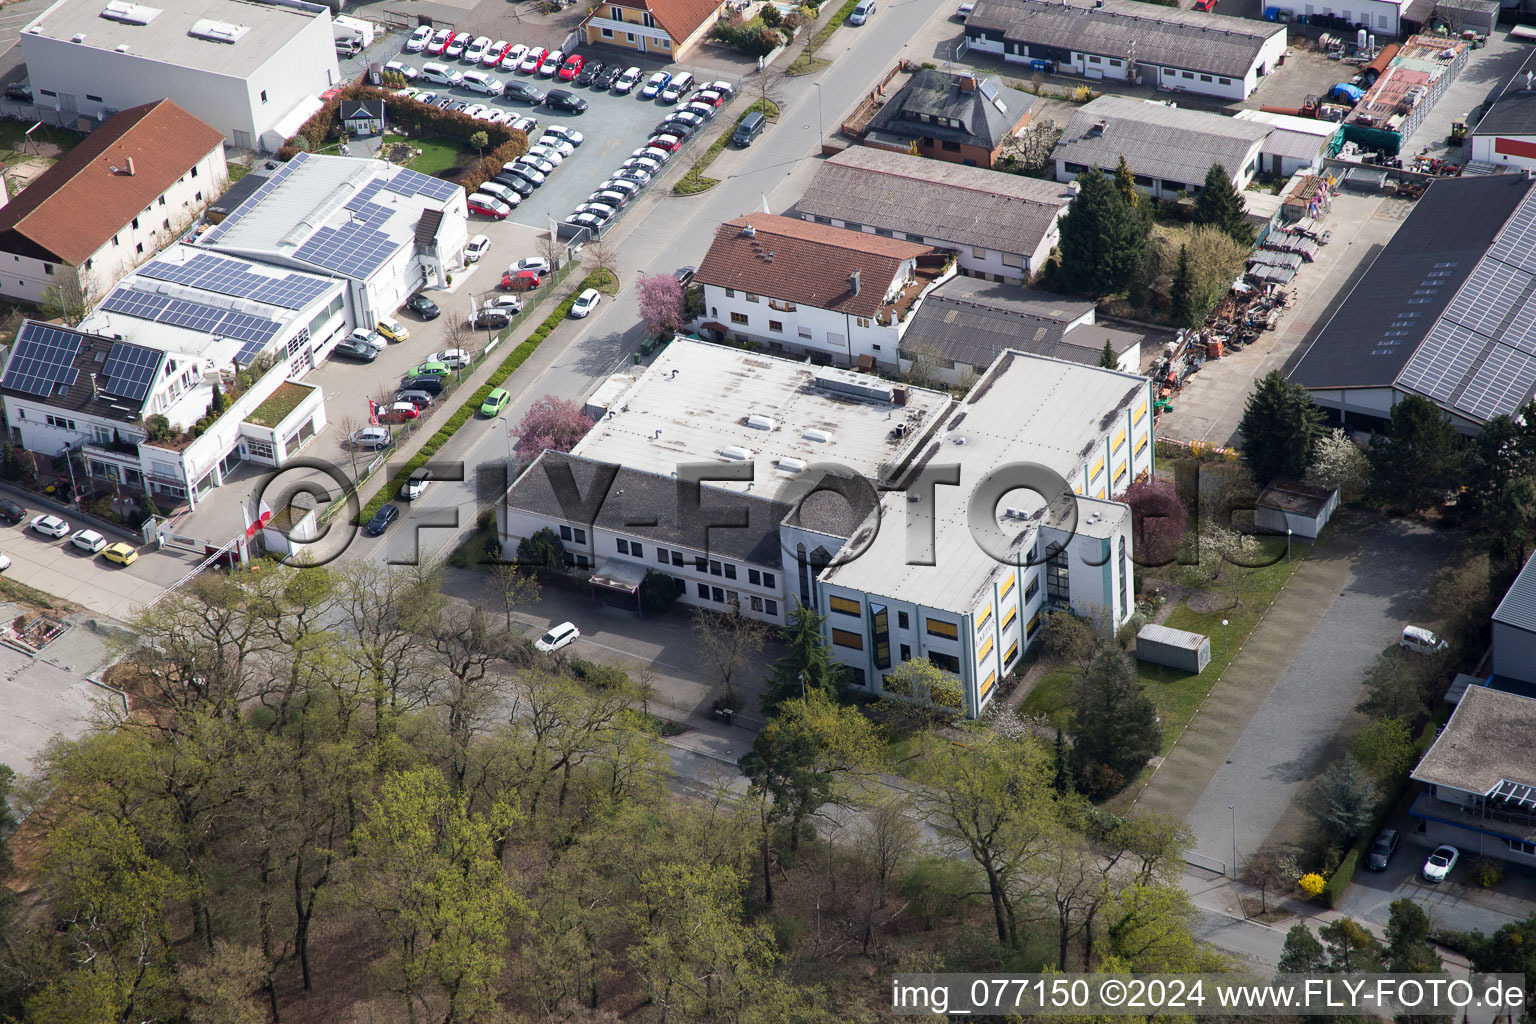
(967, 83)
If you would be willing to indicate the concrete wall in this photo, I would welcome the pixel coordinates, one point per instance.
(1514, 652)
(1377, 16)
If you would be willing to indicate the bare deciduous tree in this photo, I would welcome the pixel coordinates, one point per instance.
(516, 587)
(727, 641)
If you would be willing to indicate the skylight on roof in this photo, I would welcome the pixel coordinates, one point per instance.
(217, 31)
(130, 13)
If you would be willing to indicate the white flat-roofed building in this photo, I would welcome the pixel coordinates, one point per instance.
(949, 600)
(387, 231)
(238, 65)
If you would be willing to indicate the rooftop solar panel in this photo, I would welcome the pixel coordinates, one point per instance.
(231, 277)
(42, 359)
(353, 249)
(1504, 382)
(1516, 244)
(239, 213)
(1491, 292)
(1441, 363)
(196, 316)
(130, 371)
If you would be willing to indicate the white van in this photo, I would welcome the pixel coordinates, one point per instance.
(676, 87)
(441, 74)
(479, 81)
(1420, 641)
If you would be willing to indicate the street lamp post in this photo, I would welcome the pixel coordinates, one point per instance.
(1287, 543)
(819, 126)
(1233, 809)
(1223, 636)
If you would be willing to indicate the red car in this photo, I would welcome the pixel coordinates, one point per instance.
(399, 412)
(488, 206)
(1205, 5)
(522, 281)
(572, 67)
(670, 143)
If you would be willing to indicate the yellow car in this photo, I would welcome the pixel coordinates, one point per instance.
(122, 554)
(394, 330)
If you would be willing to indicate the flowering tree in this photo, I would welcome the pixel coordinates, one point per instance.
(661, 302)
(1158, 520)
(552, 423)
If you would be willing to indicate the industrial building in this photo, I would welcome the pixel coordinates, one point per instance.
(1446, 311)
(1173, 49)
(808, 482)
(1505, 137)
(245, 67)
(1397, 103)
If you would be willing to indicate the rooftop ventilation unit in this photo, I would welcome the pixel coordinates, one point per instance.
(129, 13)
(818, 435)
(874, 392)
(78, 37)
(121, 47)
(757, 422)
(790, 465)
(733, 451)
(217, 31)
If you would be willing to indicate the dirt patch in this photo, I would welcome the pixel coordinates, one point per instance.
(1205, 602)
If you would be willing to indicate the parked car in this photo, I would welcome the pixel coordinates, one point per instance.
(665, 141)
(398, 412)
(88, 541)
(490, 318)
(680, 130)
(862, 12)
(626, 81)
(522, 91)
(494, 53)
(474, 53)
(526, 124)
(674, 89)
(551, 63)
(453, 358)
(1382, 849)
(605, 78)
(749, 129)
(536, 263)
(685, 275)
(420, 399)
(654, 85)
(430, 384)
(1440, 863)
(476, 110)
(457, 45)
(392, 330)
(633, 174)
(1205, 5)
(599, 210)
(964, 10)
(607, 197)
(476, 248)
(362, 336)
(488, 206)
(440, 41)
(122, 553)
(510, 303)
(559, 636)
(10, 512)
(655, 154)
(522, 281)
(522, 186)
(564, 99)
(590, 71)
(1420, 641)
(403, 69)
(710, 97)
(51, 526)
(723, 88)
(371, 438)
(704, 110)
(692, 120)
(506, 193)
(590, 221)
(570, 135)
(483, 83)
(526, 170)
(571, 68)
(349, 348)
(532, 59)
(19, 91)
(431, 368)
(416, 486)
(441, 74)
(645, 163)
(423, 307)
(495, 402)
(585, 303)
(381, 520)
(557, 145)
(511, 60)
(624, 185)
(538, 163)
(553, 157)
(419, 39)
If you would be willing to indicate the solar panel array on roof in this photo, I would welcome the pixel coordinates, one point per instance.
(1516, 244)
(414, 183)
(238, 213)
(231, 277)
(1439, 365)
(130, 371)
(255, 331)
(1521, 795)
(1488, 296)
(354, 249)
(364, 194)
(1502, 383)
(43, 358)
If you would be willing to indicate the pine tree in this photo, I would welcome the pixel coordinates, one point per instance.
(1102, 240)
(1420, 458)
(1125, 184)
(1220, 205)
(1063, 781)
(1114, 725)
(807, 667)
(1184, 311)
(1107, 357)
(1280, 428)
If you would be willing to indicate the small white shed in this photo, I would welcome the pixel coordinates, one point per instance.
(1176, 648)
(1301, 509)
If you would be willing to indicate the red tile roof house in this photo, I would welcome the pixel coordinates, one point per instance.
(671, 28)
(128, 188)
(841, 297)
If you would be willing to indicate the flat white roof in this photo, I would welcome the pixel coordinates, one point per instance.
(698, 400)
(166, 34)
(1025, 409)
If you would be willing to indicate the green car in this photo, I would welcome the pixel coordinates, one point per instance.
(495, 402)
(432, 369)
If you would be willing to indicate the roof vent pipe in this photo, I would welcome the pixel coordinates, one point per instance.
(854, 282)
(748, 231)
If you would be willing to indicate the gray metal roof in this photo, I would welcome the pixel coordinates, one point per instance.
(1513, 112)
(1518, 608)
(985, 120)
(934, 199)
(1158, 141)
(1165, 36)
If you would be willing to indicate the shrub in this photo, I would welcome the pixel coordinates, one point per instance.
(599, 675)
(1344, 874)
(771, 16)
(936, 887)
(1489, 871)
(1312, 884)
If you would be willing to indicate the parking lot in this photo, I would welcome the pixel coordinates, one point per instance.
(613, 127)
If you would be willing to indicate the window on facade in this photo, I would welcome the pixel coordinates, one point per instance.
(717, 595)
(701, 564)
(757, 604)
(1116, 64)
(754, 577)
(771, 606)
(661, 555)
(1013, 652)
(952, 147)
(843, 606)
(623, 546)
(947, 662)
(166, 224)
(1125, 601)
(637, 549)
(845, 638)
(1058, 579)
(787, 307)
(581, 536)
(61, 422)
(677, 558)
(607, 33)
(1031, 590)
(804, 332)
(139, 248)
(739, 318)
(565, 533)
(906, 652)
(986, 649)
(1033, 628)
(704, 591)
(730, 293)
(134, 223)
(1205, 78)
(863, 321)
(940, 628)
(1008, 619)
(48, 269)
(903, 620)
(776, 325)
(730, 571)
(714, 568)
(1228, 81)
(770, 580)
(751, 297)
(47, 92)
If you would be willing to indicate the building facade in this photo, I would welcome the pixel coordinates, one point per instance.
(668, 28)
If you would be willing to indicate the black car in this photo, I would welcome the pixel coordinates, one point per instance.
(428, 382)
(491, 319)
(381, 520)
(19, 91)
(677, 129)
(10, 512)
(564, 99)
(685, 275)
(590, 72)
(522, 91)
(605, 79)
(359, 350)
(1382, 849)
(423, 307)
(420, 399)
(516, 182)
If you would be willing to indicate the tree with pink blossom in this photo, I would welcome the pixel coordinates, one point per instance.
(553, 424)
(661, 303)
(1158, 520)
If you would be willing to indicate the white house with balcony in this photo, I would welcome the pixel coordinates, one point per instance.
(798, 288)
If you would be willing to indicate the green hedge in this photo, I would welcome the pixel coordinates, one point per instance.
(1344, 874)
(461, 416)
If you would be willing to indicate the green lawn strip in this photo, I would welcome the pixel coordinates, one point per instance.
(694, 181)
(1052, 695)
(438, 155)
(462, 414)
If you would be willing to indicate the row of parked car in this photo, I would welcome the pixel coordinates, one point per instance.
(499, 196)
(89, 541)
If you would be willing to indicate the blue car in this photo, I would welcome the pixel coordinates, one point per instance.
(381, 520)
(655, 84)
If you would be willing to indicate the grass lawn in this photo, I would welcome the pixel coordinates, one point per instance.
(1052, 695)
(279, 404)
(439, 155)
